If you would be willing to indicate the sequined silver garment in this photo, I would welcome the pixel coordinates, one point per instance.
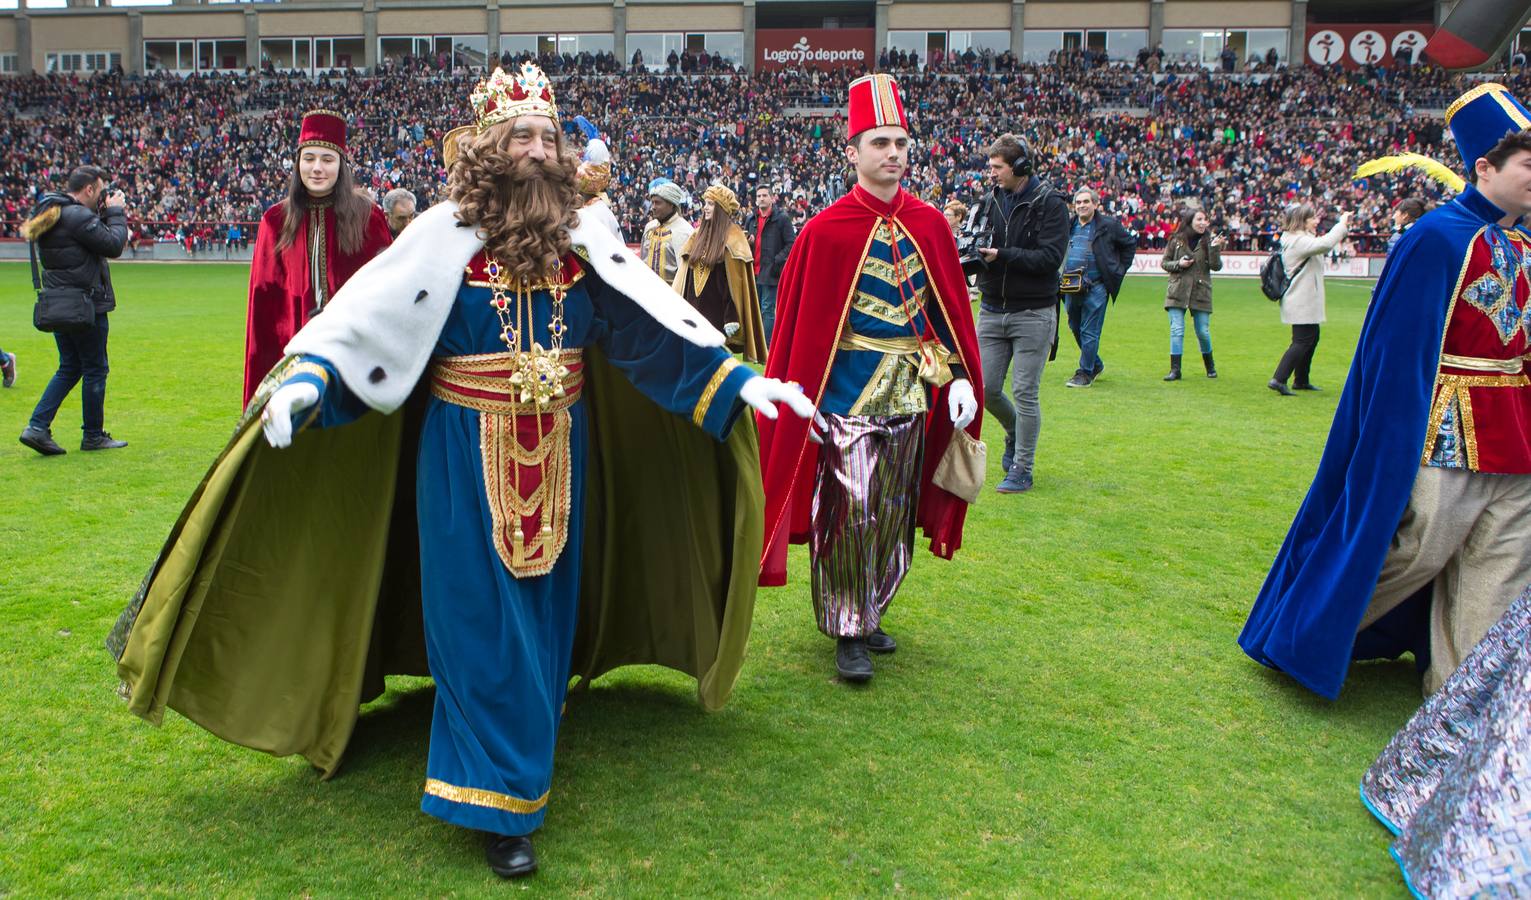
(1455, 783)
(864, 503)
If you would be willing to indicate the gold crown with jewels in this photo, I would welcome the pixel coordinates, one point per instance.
(503, 97)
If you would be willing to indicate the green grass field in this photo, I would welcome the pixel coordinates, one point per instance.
(1068, 712)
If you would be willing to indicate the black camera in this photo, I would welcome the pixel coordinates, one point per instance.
(976, 232)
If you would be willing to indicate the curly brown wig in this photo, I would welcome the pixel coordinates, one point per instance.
(523, 208)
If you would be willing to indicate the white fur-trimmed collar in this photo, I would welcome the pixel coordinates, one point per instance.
(381, 326)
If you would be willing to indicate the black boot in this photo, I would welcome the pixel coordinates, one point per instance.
(510, 856)
(851, 659)
(41, 440)
(1206, 359)
(1174, 374)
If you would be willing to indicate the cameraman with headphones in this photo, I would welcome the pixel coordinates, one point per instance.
(1018, 318)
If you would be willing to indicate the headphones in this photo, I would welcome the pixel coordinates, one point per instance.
(1022, 167)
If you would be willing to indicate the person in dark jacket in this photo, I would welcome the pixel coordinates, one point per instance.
(774, 235)
(1190, 259)
(1100, 252)
(1018, 317)
(76, 232)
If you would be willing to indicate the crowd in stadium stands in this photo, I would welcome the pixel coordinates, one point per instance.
(201, 156)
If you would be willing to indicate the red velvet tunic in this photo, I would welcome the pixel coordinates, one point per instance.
(282, 285)
(1480, 418)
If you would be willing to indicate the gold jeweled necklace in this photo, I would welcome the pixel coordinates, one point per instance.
(537, 373)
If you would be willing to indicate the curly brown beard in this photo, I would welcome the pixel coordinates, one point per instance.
(523, 208)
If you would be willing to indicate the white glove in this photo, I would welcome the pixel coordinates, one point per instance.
(276, 420)
(764, 393)
(730, 329)
(961, 403)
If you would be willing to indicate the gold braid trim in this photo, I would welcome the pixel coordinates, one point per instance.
(1470, 96)
(699, 414)
(1513, 366)
(308, 368)
(1455, 388)
(480, 797)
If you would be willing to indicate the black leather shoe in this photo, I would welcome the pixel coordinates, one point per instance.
(1306, 387)
(1280, 388)
(880, 641)
(41, 440)
(851, 659)
(510, 856)
(102, 441)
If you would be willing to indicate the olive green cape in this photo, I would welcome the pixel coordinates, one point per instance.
(290, 584)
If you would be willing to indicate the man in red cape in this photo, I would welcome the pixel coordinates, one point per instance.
(874, 324)
(294, 272)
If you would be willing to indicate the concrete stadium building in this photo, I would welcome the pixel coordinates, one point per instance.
(315, 36)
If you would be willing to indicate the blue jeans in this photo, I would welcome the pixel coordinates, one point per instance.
(767, 308)
(1200, 321)
(1087, 316)
(81, 355)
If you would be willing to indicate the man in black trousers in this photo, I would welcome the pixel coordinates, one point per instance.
(76, 231)
(774, 235)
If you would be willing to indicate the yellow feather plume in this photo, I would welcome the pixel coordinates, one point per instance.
(1432, 169)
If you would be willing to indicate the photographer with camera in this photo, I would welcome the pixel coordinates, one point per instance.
(1017, 272)
(76, 232)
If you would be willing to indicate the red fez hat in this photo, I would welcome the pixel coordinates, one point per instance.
(875, 101)
(323, 128)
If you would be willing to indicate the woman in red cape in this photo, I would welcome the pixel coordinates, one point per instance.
(309, 244)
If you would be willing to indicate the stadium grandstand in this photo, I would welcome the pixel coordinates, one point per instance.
(1157, 104)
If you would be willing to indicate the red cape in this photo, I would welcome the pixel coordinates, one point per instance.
(281, 293)
(812, 302)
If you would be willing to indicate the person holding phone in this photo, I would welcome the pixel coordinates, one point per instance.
(1302, 307)
(1190, 258)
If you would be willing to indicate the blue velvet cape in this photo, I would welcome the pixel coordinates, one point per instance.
(1305, 618)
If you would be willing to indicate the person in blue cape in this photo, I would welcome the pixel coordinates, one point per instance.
(1414, 534)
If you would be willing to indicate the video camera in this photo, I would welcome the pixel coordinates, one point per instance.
(976, 232)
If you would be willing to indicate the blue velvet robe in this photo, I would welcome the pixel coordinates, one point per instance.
(498, 645)
(1305, 618)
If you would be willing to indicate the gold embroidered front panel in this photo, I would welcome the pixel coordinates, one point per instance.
(895, 389)
(884, 270)
(1452, 435)
(881, 309)
(528, 481)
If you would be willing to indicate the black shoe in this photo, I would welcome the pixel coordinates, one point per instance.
(510, 856)
(880, 641)
(41, 440)
(1007, 459)
(1081, 379)
(1306, 387)
(1280, 388)
(1206, 360)
(1174, 374)
(851, 659)
(102, 441)
(8, 370)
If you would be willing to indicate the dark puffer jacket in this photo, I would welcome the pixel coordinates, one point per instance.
(1031, 241)
(74, 244)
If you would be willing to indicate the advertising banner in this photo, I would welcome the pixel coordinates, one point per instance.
(1353, 46)
(814, 48)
